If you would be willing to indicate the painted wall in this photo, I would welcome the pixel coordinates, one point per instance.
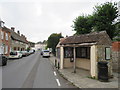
(83, 63)
(80, 63)
(67, 63)
(93, 61)
(17, 44)
(40, 46)
(61, 57)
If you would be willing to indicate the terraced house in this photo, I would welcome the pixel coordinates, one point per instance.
(5, 40)
(18, 42)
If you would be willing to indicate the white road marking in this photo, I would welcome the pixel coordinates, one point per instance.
(58, 82)
(55, 73)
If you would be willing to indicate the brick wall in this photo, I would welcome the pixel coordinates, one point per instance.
(116, 55)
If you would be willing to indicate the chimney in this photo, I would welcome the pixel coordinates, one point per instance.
(21, 35)
(13, 29)
(66, 35)
(1, 23)
(18, 32)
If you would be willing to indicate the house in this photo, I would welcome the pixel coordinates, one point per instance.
(31, 44)
(84, 51)
(18, 42)
(40, 46)
(5, 41)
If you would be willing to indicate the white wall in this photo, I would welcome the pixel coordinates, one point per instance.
(93, 59)
(61, 57)
(40, 46)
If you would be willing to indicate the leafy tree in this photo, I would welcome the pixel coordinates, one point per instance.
(104, 16)
(28, 49)
(45, 41)
(117, 27)
(53, 40)
(83, 24)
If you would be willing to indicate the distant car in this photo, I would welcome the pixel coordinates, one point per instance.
(46, 53)
(15, 55)
(3, 60)
(32, 51)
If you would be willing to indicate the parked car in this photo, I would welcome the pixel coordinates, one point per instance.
(3, 60)
(25, 53)
(15, 55)
(46, 53)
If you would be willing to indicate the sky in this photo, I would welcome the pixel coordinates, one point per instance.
(38, 19)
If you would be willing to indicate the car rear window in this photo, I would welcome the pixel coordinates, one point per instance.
(46, 51)
(13, 53)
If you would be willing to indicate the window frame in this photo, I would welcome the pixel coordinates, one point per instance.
(6, 36)
(65, 55)
(6, 49)
(87, 52)
(2, 35)
(106, 53)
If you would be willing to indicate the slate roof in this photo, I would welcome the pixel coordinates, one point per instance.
(95, 37)
(17, 37)
(14, 35)
(6, 29)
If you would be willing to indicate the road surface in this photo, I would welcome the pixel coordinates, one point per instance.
(32, 71)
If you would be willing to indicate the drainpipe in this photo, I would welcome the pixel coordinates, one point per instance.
(74, 53)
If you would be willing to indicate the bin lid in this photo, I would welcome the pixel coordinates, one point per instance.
(102, 62)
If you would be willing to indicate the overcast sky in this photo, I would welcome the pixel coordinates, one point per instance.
(38, 19)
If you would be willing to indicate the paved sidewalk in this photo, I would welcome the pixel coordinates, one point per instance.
(82, 78)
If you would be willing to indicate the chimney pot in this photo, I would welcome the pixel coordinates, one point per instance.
(13, 29)
(18, 32)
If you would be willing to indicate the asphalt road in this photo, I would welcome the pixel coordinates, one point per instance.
(32, 72)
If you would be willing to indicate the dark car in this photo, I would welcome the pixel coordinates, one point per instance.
(3, 60)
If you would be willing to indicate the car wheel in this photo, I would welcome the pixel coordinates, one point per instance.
(4, 63)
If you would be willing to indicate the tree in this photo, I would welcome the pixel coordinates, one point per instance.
(117, 27)
(53, 40)
(104, 16)
(83, 24)
(28, 49)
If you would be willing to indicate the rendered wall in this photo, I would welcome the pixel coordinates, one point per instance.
(83, 63)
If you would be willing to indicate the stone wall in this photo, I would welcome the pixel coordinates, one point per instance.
(101, 57)
(115, 55)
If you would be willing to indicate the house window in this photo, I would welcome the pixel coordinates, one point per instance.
(107, 53)
(83, 52)
(2, 35)
(1, 49)
(6, 36)
(18, 48)
(68, 52)
(6, 49)
(14, 48)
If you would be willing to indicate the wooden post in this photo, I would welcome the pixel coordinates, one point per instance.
(74, 53)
